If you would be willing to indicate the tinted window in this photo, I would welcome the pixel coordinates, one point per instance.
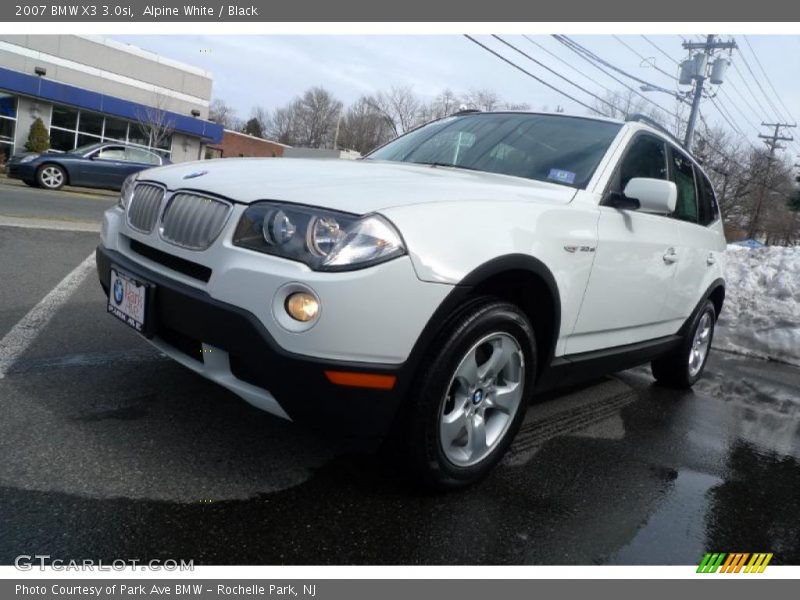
(646, 157)
(709, 211)
(552, 148)
(683, 176)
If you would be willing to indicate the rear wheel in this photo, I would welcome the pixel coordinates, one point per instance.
(471, 397)
(51, 176)
(684, 365)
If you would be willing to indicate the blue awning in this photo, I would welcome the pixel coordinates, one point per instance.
(61, 93)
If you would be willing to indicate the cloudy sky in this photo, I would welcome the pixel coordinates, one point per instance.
(269, 71)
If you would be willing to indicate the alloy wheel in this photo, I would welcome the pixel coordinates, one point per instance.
(482, 400)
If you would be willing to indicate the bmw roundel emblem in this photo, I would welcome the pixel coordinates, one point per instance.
(118, 291)
(195, 174)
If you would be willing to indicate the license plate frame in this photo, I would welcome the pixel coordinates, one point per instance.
(131, 299)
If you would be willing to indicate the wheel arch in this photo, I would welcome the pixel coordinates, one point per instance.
(518, 278)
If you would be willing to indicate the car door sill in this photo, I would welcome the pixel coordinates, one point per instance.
(577, 368)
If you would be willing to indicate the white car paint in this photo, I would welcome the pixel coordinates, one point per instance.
(616, 284)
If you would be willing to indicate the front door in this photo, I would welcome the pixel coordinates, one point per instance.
(634, 264)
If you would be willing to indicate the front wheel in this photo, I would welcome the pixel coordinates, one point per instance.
(51, 177)
(682, 367)
(472, 396)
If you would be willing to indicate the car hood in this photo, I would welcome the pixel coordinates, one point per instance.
(358, 187)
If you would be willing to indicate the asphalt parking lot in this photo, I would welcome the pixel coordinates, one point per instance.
(109, 450)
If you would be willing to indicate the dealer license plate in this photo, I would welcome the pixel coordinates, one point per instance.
(128, 298)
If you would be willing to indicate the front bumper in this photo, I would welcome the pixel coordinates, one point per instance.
(229, 345)
(24, 171)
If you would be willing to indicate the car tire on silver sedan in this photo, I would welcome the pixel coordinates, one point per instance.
(472, 394)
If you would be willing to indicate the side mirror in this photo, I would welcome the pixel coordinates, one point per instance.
(654, 195)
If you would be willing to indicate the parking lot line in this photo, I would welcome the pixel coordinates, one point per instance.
(22, 335)
(55, 224)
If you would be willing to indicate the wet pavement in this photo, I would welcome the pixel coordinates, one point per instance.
(111, 451)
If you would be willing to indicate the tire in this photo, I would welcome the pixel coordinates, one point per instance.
(474, 387)
(682, 367)
(51, 176)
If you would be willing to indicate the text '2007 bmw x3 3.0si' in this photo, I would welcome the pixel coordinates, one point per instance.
(429, 289)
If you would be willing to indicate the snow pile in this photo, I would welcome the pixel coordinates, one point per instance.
(761, 314)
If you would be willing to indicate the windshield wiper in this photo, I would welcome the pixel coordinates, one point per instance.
(446, 164)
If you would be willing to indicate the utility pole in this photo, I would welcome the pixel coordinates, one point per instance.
(695, 69)
(772, 142)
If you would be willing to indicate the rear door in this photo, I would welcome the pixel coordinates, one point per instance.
(701, 238)
(633, 269)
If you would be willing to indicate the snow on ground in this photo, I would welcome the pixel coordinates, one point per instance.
(761, 314)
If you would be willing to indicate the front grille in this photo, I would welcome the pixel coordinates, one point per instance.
(193, 221)
(145, 207)
(175, 263)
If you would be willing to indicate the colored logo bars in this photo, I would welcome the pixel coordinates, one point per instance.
(734, 562)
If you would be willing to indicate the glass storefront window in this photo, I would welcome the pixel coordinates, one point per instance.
(7, 130)
(61, 140)
(70, 128)
(91, 123)
(116, 129)
(64, 117)
(84, 140)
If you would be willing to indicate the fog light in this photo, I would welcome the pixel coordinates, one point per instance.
(302, 306)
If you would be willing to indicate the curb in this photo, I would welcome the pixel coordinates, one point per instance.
(5, 180)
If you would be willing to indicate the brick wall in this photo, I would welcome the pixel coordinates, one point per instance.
(239, 144)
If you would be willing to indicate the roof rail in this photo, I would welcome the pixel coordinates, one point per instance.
(640, 118)
(466, 111)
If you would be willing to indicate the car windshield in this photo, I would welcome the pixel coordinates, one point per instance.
(553, 148)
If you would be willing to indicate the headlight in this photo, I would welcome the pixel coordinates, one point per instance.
(324, 240)
(126, 193)
(28, 158)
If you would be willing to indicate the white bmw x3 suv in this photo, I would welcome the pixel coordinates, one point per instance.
(429, 289)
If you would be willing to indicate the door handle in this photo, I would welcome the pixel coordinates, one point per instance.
(670, 256)
(711, 259)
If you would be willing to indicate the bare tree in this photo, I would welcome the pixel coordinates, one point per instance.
(399, 106)
(155, 123)
(223, 114)
(483, 99)
(363, 128)
(308, 121)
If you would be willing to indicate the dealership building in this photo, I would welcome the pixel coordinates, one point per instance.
(88, 89)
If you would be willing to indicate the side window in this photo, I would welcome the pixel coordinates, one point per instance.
(111, 153)
(646, 157)
(683, 175)
(138, 155)
(709, 211)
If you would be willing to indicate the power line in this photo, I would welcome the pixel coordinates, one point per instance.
(619, 81)
(531, 75)
(652, 64)
(653, 44)
(556, 73)
(769, 81)
(567, 64)
(758, 83)
(597, 58)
